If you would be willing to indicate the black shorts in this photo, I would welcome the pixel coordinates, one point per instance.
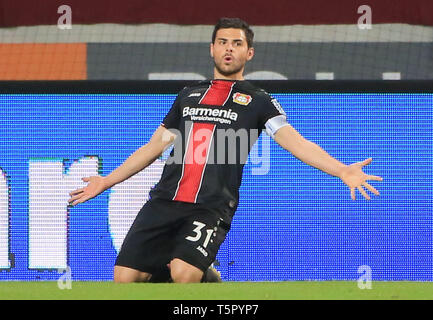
(165, 229)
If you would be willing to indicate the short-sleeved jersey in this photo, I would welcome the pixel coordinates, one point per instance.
(217, 122)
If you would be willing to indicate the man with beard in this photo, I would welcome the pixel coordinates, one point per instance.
(177, 233)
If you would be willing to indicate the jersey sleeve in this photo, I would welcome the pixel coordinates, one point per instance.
(272, 116)
(172, 118)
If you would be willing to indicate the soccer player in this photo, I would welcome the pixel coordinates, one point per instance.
(178, 232)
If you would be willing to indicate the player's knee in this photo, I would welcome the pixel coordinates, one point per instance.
(185, 276)
(127, 275)
(184, 273)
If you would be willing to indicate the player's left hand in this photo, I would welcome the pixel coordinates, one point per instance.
(353, 177)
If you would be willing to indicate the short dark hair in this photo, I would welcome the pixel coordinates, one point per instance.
(236, 23)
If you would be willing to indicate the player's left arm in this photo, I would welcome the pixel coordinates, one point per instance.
(312, 154)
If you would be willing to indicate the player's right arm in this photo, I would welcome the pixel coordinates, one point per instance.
(161, 139)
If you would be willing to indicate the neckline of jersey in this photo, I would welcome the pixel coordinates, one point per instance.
(226, 80)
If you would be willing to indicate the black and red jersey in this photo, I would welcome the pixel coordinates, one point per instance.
(217, 121)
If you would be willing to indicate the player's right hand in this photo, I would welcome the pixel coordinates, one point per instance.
(95, 186)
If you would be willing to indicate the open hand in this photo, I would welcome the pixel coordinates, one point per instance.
(353, 177)
(95, 186)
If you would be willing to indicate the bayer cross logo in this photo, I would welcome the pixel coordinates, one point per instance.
(241, 98)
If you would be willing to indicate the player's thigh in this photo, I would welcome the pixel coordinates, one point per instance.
(128, 275)
(149, 242)
(199, 239)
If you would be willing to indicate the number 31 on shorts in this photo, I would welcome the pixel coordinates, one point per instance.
(197, 236)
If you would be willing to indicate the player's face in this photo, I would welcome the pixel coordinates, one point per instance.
(230, 51)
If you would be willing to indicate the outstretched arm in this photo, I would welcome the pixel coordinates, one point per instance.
(144, 156)
(161, 139)
(312, 154)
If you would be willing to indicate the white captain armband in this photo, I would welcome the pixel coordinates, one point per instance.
(275, 123)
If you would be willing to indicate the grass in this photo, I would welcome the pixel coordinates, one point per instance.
(296, 290)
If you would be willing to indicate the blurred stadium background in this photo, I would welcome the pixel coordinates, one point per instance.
(145, 40)
(295, 223)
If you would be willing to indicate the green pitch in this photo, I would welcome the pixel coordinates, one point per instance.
(305, 290)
